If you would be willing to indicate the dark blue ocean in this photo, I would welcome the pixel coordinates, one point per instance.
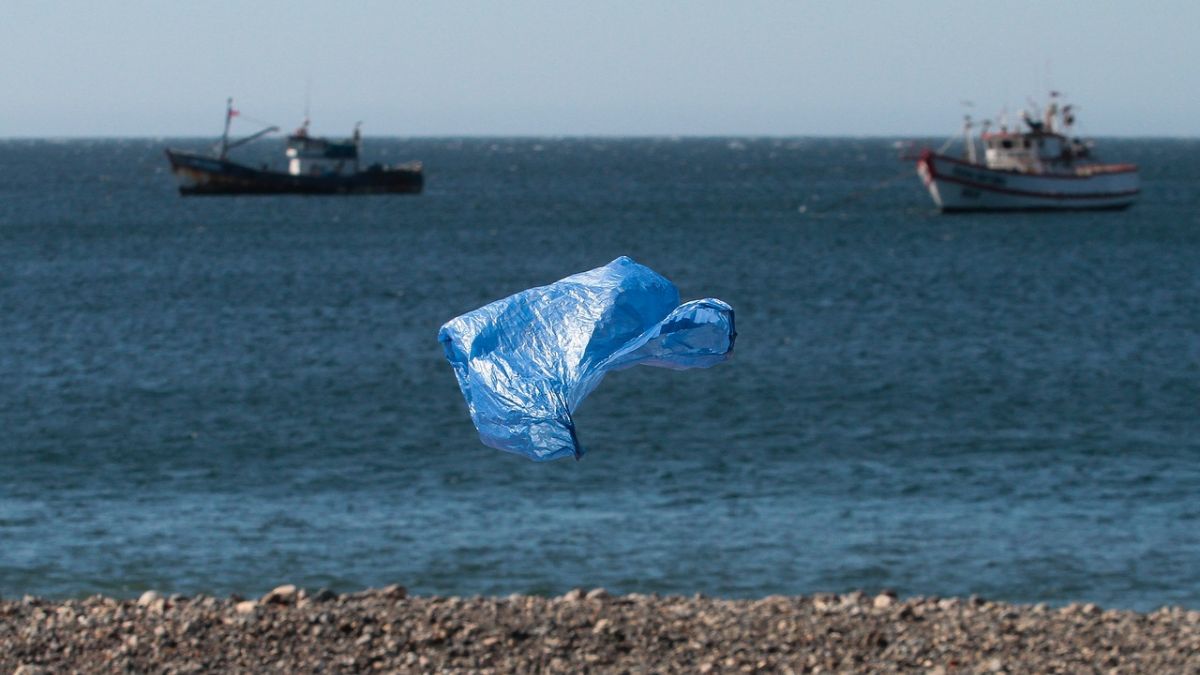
(220, 395)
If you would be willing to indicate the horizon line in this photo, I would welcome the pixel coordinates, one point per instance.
(881, 136)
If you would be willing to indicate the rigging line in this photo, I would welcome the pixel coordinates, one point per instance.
(267, 128)
(307, 94)
(256, 120)
(860, 194)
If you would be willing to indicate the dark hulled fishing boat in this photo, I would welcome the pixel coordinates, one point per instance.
(315, 166)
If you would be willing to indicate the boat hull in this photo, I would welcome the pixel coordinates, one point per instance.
(202, 175)
(958, 186)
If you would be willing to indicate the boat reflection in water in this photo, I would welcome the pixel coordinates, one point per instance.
(315, 166)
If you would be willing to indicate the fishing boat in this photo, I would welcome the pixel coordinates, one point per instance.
(315, 166)
(1039, 165)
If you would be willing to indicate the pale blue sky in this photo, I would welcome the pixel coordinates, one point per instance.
(637, 67)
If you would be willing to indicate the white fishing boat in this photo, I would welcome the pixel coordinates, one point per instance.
(1037, 166)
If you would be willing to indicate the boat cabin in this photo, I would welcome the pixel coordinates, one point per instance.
(1024, 152)
(312, 156)
(1039, 148)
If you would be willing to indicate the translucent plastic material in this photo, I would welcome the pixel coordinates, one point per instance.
(526, 362)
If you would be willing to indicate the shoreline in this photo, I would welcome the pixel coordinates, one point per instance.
(292, 630)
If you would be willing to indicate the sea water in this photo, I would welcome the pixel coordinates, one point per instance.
(220, 395)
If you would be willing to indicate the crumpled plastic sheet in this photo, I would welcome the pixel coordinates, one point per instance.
(525, 363)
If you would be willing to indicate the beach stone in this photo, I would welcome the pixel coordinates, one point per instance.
(573, 595)
(148, 598)
(884, 600)
(371, 631)
(853, 598)
(395, 591)
(281, 595)
(324, 595)
(597, 594)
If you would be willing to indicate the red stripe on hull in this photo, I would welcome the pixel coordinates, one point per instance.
(931, 174)
(1102, 169)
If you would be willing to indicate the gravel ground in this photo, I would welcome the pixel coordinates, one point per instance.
(291, 630)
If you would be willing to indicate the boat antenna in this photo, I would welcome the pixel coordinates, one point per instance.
(357, 142)
(968, 142)
(307, 97)
(1034, 108)
(229, 113)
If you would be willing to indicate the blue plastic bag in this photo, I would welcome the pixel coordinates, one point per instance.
(526, 362)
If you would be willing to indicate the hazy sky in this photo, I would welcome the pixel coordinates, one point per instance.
(560, 67)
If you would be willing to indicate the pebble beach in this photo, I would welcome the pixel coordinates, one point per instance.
(386, 630)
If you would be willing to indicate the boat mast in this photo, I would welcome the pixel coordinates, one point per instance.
(968, 142)
(1052, 113)
(228, 118)
(357, 144)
